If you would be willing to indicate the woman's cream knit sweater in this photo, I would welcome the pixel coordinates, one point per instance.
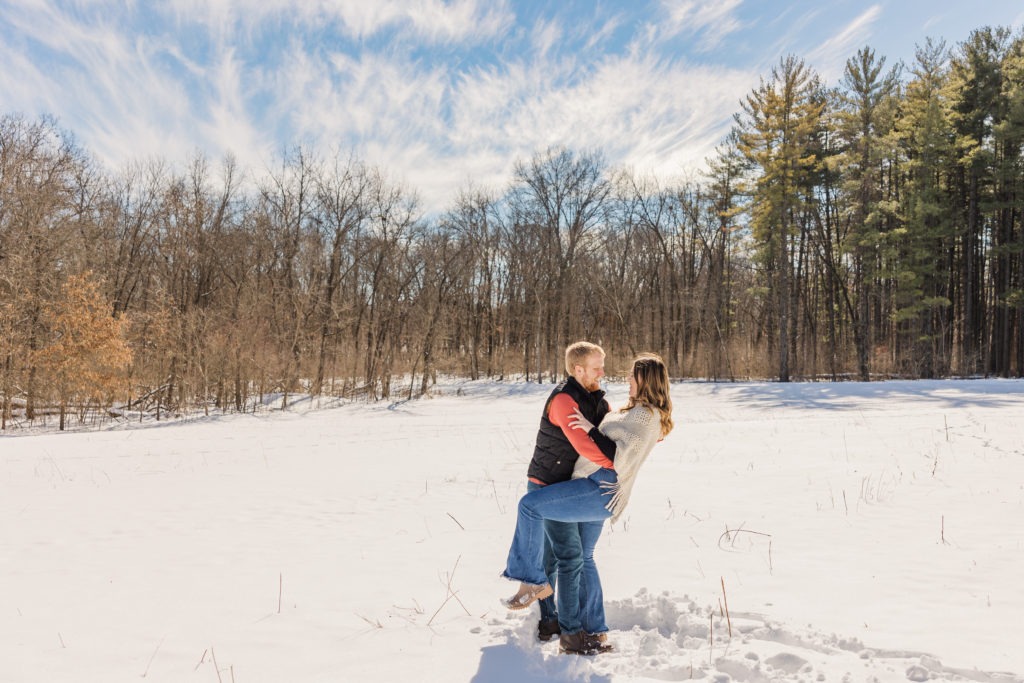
(635, 432)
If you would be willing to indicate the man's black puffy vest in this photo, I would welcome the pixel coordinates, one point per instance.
(553, 456)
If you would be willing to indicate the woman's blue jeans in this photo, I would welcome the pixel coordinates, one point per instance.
(565, 537)
(579, 500)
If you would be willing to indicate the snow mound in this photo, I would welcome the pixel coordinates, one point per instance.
(666, 637)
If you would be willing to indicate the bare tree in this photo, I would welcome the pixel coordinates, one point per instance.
(561, 194)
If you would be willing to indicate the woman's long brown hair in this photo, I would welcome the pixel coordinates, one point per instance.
(652, 388)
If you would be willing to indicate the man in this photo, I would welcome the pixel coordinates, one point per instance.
(557, 448)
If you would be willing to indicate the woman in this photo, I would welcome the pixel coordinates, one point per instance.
(595, 493)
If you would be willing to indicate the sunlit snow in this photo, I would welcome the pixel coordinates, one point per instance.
(782, 532)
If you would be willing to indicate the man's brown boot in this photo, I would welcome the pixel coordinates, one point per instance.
(548, 629)
(573, 644)
(597, 643)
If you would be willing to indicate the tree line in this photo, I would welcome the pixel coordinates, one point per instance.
(869, 229)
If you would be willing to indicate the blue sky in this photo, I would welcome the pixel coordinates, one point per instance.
(437, 93)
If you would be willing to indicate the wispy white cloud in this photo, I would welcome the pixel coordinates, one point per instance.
(387, 109)
(932, 21)
(366, 97)
(20, 81)
(103, 78)
(596, 35)
(433, 21)
(459, 21)
(711, 20)
(431, 124)
(545, 36)
(434, 92)
(829, 58)
(649, 114)
(229, 126)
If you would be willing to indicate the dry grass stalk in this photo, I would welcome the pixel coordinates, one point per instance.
(150, 663)
(728, 619)
(451, 594)
(456, 521)
(496, 501)
(375, 624)
(711, 639)
(213, 655)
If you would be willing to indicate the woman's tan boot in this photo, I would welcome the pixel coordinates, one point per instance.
(528, 594)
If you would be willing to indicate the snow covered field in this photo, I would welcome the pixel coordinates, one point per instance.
(856, 532)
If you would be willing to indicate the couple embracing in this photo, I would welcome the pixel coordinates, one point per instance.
(583, 468)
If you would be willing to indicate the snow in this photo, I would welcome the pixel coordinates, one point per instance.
(856, 532)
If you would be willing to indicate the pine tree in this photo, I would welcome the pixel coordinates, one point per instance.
(975, 92)
(924, 242)
(1009, 134)
(725, 171)
(865, 121)
(777, 132)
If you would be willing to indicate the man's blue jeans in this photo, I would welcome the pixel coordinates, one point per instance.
(579, 501)
(591, 595)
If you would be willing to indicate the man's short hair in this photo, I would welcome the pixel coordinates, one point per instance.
(578, 352)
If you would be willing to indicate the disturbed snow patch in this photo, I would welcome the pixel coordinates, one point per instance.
(666, 637)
